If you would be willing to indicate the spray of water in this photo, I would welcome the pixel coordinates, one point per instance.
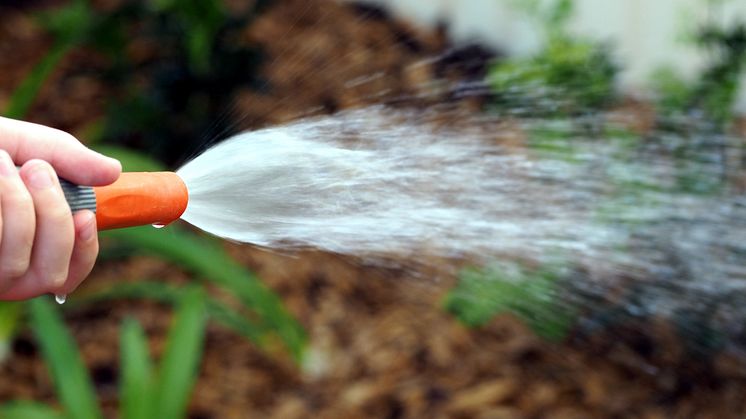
(661, 215)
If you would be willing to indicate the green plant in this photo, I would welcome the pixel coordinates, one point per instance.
(205, 257)
(713, 94)
(700, 112)
(181, 91)
(146, 392)
(261, 313)
(208, 260)
(232, 318)
(10, 313)
(68, 25)
(530, 294)
(568, 76)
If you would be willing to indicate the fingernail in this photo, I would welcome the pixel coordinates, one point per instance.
(7, 168)
(41, 177)
(88, 229)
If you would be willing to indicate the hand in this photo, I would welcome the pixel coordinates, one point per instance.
(43, 247)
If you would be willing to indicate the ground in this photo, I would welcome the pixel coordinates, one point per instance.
(380, 343)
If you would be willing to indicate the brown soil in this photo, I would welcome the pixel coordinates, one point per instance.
(380, 343)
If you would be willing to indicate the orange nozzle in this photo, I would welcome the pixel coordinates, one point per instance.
(141, 198)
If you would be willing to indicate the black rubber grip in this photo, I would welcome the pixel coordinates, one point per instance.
(79, 197)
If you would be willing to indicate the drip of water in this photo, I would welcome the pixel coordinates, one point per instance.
(60, 298)
(158, 225)
(661, 215)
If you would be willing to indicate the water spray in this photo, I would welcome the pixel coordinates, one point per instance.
(664, 228)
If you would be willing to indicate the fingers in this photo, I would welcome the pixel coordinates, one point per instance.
(25, 141)
(18, 224)
(84, 251)
(55, 232)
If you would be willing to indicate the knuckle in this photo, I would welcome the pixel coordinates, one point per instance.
(18, 198)
(57, 279)
(25, 167)
(64, 137)
(14, 269)
(60, 212)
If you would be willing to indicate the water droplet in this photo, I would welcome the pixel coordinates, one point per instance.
(159, 225)
(60, 298)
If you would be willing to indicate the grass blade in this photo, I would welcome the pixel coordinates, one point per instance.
(137, 375)
(23, 97)
(178, 366)
(63, 359)
(10, 317)
(170, 294)
(28, 410)
(205, 258)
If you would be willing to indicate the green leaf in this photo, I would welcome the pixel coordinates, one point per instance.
(10, 316)
(165, 293)
(69, 24)
(560, 13)
(61, 355)
(206, 258)
(137, 377)
(178, 367)
(23, 97)
(508, 288)
(28, 410)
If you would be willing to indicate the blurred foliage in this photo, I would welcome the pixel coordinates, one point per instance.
(10, 314)
(569, 76)
(145, 392)
(68, 27)
(172, 67)
(64, 361)
(168, 102)
(530, 294)
(191, 38)
(154, 290)
(28, 410)
(208, 260)
(712, 96)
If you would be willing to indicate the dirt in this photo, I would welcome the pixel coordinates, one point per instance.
(381, 345)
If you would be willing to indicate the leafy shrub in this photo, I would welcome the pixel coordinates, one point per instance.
(166, 103)
(261, 313)
(530, 294)
(568, 76)
(713, 95)
(146, 392)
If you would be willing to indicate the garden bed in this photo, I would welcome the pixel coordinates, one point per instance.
(381, 344)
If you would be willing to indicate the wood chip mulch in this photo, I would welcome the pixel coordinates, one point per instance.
(381, 346)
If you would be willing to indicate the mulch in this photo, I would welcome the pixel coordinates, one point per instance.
(381, 345)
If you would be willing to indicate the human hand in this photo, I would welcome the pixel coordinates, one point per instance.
(43, 247)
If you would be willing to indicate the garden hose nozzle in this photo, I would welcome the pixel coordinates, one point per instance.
(136, 198)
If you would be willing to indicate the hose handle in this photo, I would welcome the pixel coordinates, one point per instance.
(136, 198)
(79, 197)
